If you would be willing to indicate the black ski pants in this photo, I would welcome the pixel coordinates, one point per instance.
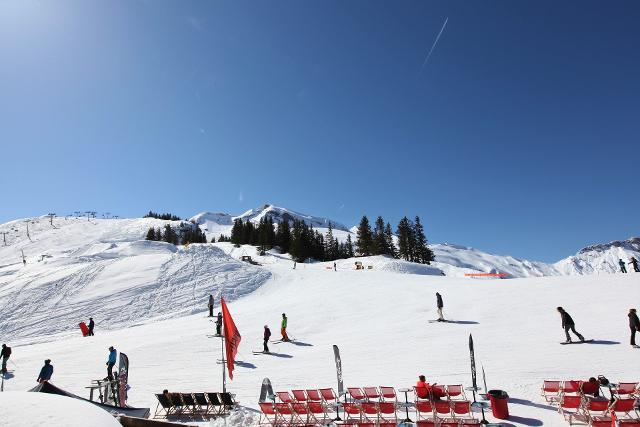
(572, 328)
(635, 268)
(623, 269)
(218, 329)
(210, 311)
(633, 335)
(90, 332)
(265, 346)
(110, 370)
(4, 363)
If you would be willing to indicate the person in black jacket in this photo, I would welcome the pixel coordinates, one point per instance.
(92, 324)
(634, 325)
(266, 336)
(4, 354)
(440, 305)
(46, 372)
(219, 324)
(568, 324)
(634, 263)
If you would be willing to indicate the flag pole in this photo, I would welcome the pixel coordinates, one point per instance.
(224, 374)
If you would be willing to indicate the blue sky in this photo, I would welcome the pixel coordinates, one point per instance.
(520, 135)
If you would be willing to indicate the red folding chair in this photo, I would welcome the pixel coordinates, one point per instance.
(371, 393)
(426, 423)
(314, 396)
(470, 423)
(421, 393)
(595, 408)
(572, 387)
(570, 407)
(388, 393)
(302, 413)
(461, 409)
(285, 413)
(267, 411)
(387, 413)
(551, 390)
(624, 389)
(442, 407)
(438, 391)
(299, 395)
(424, 410)
(629, 423)
(356, 393)
(624, 406)
(449, 423)
(369, 411)
(284, 397)
(456, 392)
(328, 395)
(319, 412)
(600, 422)
(352, 413)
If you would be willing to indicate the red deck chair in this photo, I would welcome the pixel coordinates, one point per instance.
(570, 407)
(596, 408)
(352, 413)
(589, 387)
(388, 393)
(424, 410)
(442, 407)
(426, 423)
(470, 423)
(269, 414)
(449, 423)
(461, 409)
(371, 393)
(624, 406)
(573, 386)
(456, 391)
(551, 390)
(299, 395)
(438, 391)
(421, 393)
(319, 412)
(629, 423)
(284, 397)
(624, 389)
(387, 413)
(328, 395)
(369, 411)
(600, 422)
(356, 393)
(314, 396)
(285, 413)
(303, 413)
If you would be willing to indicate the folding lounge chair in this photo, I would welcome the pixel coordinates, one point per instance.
(600, 422)
(164, 405)
(228, 402)
(356, 394)
(456, 392)
(302, 413)
(629, 423)
(285, 413)
(203, 403)
(190, 404)
(314, 396)
(626, 389)
(442, 407)
(426, 423)
(624, 406)
(571, 387)
(369, 411)
(387, 413)
(461, 409)
(388, 393)
(328, 395)
(352, 412)
(595, 409)
(424, 410)
(470, 423)
(176, 401)
(284, 397)
(570, 407)
(551, 390)
(371, 393)
(215, 403)
(319, 412)
(438, 391)
(299, 395)
(268, 413)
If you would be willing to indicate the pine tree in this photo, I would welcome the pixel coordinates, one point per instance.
(237, 232)
(283, 236)
(170, 235)
(329, 250)
(151, 234)
(349, 247)
(388, 237)
(213, 239)
(403, 232)
(380, 242)
(364, 240)
(424, 254)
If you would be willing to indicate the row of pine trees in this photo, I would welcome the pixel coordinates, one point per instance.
(184, 236)
(302, 242)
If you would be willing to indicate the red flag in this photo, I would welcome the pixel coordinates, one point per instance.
(231, 337)
(613, 418)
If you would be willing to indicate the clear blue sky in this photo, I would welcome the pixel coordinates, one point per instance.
(520, 136)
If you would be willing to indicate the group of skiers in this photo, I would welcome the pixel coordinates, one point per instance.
(633, 261)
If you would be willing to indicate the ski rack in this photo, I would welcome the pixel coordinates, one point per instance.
(110, 388)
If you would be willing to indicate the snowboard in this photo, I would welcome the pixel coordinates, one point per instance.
(576, 342)
(440, 321)
(84, 329)
(259, 352)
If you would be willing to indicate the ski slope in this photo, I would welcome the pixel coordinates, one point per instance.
(379, 319)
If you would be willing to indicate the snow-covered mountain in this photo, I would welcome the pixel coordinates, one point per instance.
(602, 258)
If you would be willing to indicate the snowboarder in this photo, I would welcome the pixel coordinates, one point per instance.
(4, 354)
(210, 305)
(266, 336)
(111, 361)
(623, 269)
(219, 324)
(568, 324)
(634, 263)
(92, 324)
(283, 328)
(46, 372)
(440, 305)
(634, 325)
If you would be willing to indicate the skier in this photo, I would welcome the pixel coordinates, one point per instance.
(210, 305)
(634, 263)
(113, 354)
(219, 324)
(623, 269)
(440, 305)
(568, 324)
(294, 265)
(335, 267)
(91, 326)
(283, 328)
(634, 325)
(266, 336)
(4, 354)
(45, 372)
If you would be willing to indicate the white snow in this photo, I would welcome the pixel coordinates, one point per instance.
(601, 259)
(46, 410)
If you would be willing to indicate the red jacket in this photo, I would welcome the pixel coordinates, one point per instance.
(422, 389)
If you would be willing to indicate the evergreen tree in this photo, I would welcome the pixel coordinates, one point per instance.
(388, 237)
(170, 235)
(283, 236)
(424, 254)
(330, 252)
(349, 247)
(379, 239)
(151, 234)
(364, 240)
(237, 232)
(403, 232)
(213, 239)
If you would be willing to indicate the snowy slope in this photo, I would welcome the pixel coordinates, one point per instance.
(603, 258)
(379, 321)
(103, 268)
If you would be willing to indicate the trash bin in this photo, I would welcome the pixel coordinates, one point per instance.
(499, 404)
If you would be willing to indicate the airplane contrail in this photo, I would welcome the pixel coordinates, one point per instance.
(434, 44)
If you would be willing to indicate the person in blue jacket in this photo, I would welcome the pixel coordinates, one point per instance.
(45, 372)
(113, 354)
